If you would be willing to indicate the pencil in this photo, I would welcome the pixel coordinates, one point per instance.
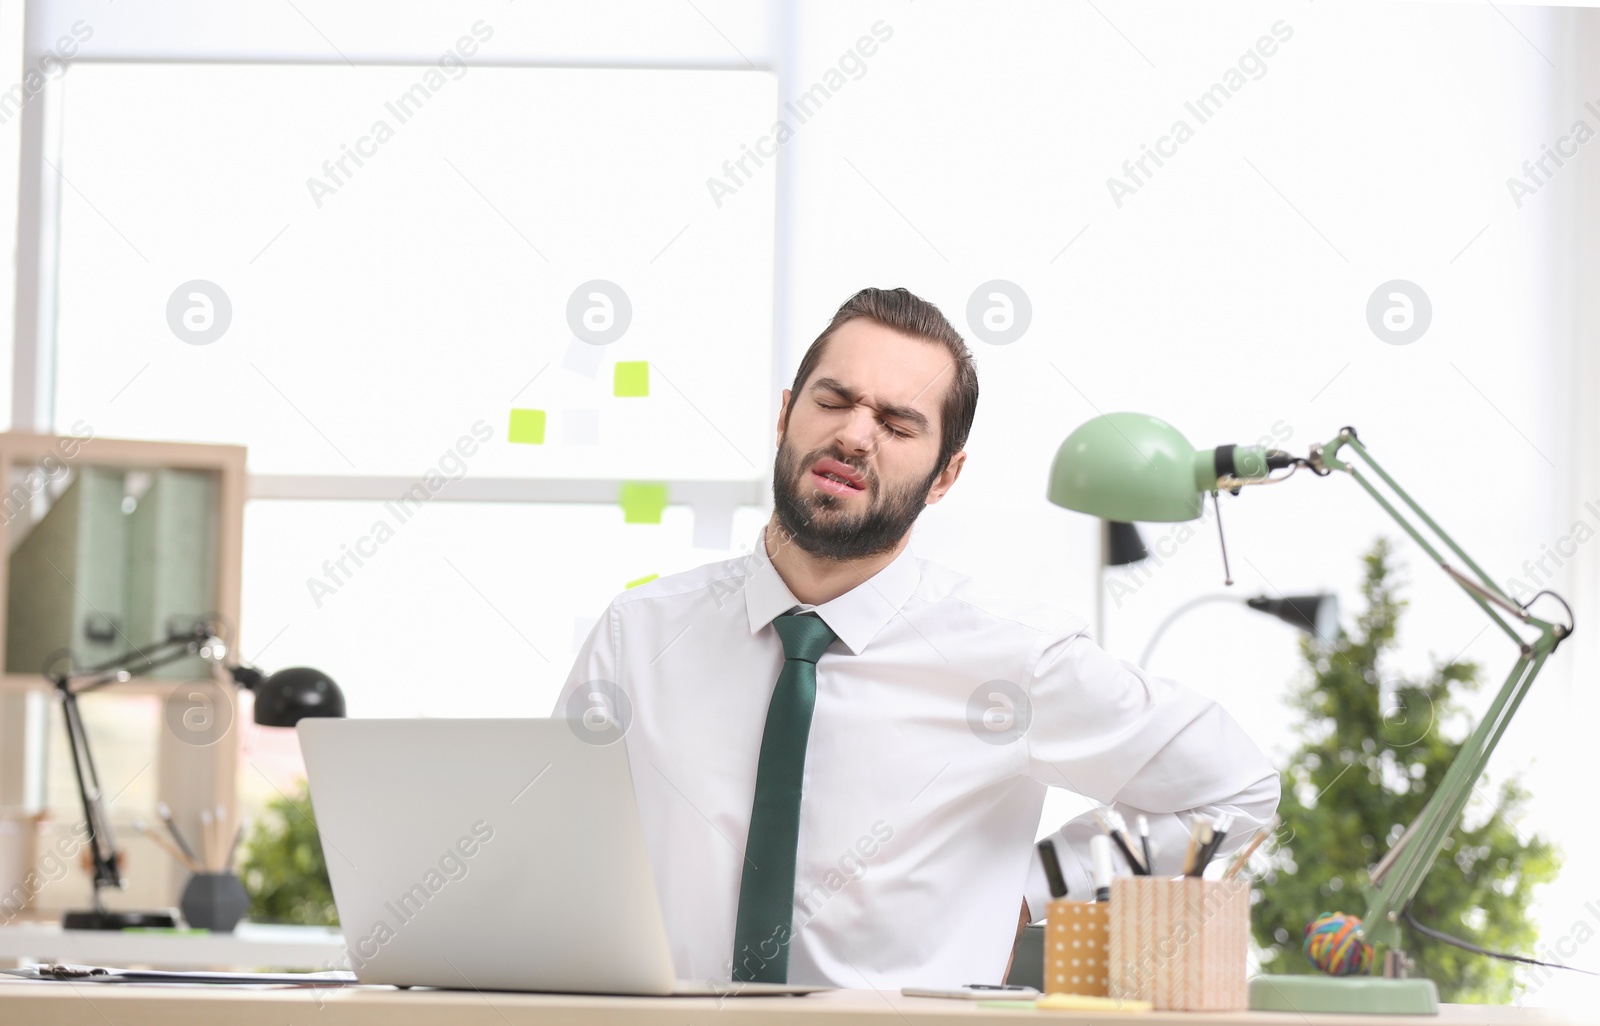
(1199, 836)
(1144, 843)
(165, 812)
(208, 842)
(1250, 849)
(166, 846)
(224, 822)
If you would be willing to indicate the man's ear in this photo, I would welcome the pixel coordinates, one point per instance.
(947, 477)
(783, 415)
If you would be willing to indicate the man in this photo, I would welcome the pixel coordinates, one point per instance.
(841, 750)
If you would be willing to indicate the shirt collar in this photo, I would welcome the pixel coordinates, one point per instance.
(856, 616)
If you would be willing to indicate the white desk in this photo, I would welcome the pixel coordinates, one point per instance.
(249, 946)
(90, 1004)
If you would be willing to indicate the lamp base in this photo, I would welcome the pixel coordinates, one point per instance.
(96, 920)
(1348, 995)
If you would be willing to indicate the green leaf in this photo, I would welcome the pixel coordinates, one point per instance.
(283, 868)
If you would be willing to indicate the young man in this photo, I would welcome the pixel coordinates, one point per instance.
(841, 750)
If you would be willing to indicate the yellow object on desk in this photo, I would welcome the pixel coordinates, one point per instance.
(1090, 1003)
(1073, 1003)
(1077, 948)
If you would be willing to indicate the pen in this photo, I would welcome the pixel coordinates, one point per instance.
(1144, 843)
(1218, 832)
(165, 812)
(1198, 842)
(222, 820)
(207, 841)
(1112, 824)
(238, 832)
(1100, 858)
(1052, 869)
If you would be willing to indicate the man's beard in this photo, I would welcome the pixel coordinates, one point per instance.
(811, 517)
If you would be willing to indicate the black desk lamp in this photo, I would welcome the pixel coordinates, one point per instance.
(1120, 545)
(282, 700)
(1317, 615)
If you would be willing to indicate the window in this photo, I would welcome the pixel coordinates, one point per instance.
(397, 264)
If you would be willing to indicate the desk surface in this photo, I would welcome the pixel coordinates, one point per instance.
(123, 1005)
(249, 946)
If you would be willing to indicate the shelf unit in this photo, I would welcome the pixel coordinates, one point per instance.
(189, 777)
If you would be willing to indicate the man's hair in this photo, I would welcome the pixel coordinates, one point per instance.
(910, 315)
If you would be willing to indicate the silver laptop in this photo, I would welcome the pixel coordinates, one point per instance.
(490, 855)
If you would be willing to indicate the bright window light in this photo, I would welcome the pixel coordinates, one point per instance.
(386, 256)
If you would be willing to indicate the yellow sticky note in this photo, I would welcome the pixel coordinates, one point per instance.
(1089, 1003)
(631, 378)
(642, 502)
(646, 579)
(527, 427)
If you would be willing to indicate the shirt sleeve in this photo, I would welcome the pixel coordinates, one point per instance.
(596, 660)
(1143, 745)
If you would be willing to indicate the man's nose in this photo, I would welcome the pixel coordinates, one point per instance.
(859, 432)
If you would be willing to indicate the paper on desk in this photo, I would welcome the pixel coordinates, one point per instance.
(100, 974)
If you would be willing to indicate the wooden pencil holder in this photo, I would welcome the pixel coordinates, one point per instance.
(1076, 948)
(1180, 944)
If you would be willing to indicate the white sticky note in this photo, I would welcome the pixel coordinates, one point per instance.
(582, 358)
(713, 527)
(580, 427)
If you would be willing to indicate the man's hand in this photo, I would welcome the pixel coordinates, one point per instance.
(1022, 924)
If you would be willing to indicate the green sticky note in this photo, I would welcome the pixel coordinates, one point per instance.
(527, 427)
(646, 579)
(632, 378)
(642, 503)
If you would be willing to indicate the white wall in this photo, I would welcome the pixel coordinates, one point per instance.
(1228, 296)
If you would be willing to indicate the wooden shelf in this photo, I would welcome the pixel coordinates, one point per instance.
(189, 777)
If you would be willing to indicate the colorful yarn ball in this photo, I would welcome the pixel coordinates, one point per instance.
(1336, 944)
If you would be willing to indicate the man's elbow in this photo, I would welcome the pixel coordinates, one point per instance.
(1257, 803)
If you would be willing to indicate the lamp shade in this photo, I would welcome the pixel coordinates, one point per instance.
(289, 696)
(1317, 615)
(1123, 544)
(1130, 466)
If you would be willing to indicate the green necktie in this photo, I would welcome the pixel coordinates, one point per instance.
(766, 894)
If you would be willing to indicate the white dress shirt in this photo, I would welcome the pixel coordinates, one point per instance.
(942, 714)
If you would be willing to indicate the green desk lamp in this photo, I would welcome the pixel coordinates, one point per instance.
(1129, 466)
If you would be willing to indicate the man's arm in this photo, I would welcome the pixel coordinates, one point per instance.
(596, 660)
(1143, 745)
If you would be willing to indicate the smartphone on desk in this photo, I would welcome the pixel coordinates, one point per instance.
(972, 991)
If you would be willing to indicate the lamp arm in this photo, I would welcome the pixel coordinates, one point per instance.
(1483, 590)
(103, 846)
(1397, 878)
(128, 665)
(69, 684)
(1161, 628)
